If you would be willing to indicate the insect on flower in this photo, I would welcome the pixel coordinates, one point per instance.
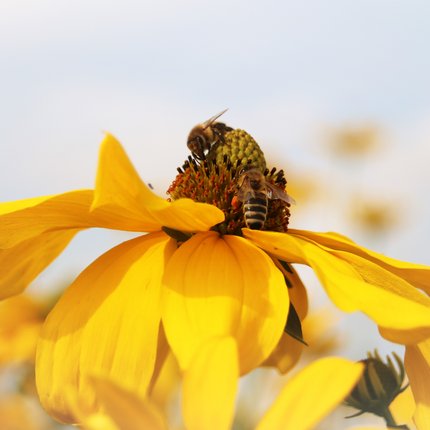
(254, 192)
(203, 136)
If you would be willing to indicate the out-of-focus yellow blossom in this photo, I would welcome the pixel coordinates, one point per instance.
(354, 141)
(18, 412)
(319, 332)
(208, 286)
(21, 319)
(374, 216)
(304, 187)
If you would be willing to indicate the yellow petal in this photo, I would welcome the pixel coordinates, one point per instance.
(312, 394)
(416, 274)
(34, 232)
(354, 283)
(21, 264)
(88, 420)
(106, 323)
(26, 219)
(223, 286)
(402, 407)
(296, 289)
(97, 421)
(289, 350)
(210, 386)
(167, 383)
(126, 408)
(417, 365)
(121, 193)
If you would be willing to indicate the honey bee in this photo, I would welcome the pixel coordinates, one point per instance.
(254, 192)
(203, 136)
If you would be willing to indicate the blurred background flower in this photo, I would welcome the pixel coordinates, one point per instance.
(336, 93)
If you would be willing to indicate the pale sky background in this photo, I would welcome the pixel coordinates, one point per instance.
(289, 72)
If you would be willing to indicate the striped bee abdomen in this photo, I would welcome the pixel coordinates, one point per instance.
(255, 211)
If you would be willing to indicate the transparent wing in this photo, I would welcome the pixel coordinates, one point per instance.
(275, 193)
(245, 191)
(212, 119)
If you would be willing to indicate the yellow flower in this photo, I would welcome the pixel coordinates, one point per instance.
(354, 141)
(417, 365)
(212, 285)
(21, 319)
(22, 412)
(209, 392)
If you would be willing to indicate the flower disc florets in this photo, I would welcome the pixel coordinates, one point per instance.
(240, 147)
(214, 180)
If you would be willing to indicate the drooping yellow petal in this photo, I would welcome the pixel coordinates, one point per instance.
(34, 232)
(417, 365)
(296, 289)
(126, 408)
(416, 274)
(96, 421)
(354, 283)
(88, 420)
(21, 264)
(288, 350)
(120, 192)
(106, 323)
(167, 383)
(223, 286)
(210, 385)
(23, 220)
(312, 394)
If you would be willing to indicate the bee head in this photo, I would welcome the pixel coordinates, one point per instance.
(199, 140)
(202, 136)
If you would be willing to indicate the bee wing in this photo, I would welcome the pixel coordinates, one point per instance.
(212, 119)
(275, 193)
(245, 191)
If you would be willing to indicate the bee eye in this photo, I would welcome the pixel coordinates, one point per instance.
(200, 140)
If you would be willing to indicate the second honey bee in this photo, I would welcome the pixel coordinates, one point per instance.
(203, 136)
(254, 192)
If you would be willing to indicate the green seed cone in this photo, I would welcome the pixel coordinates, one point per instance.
(239, 146)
